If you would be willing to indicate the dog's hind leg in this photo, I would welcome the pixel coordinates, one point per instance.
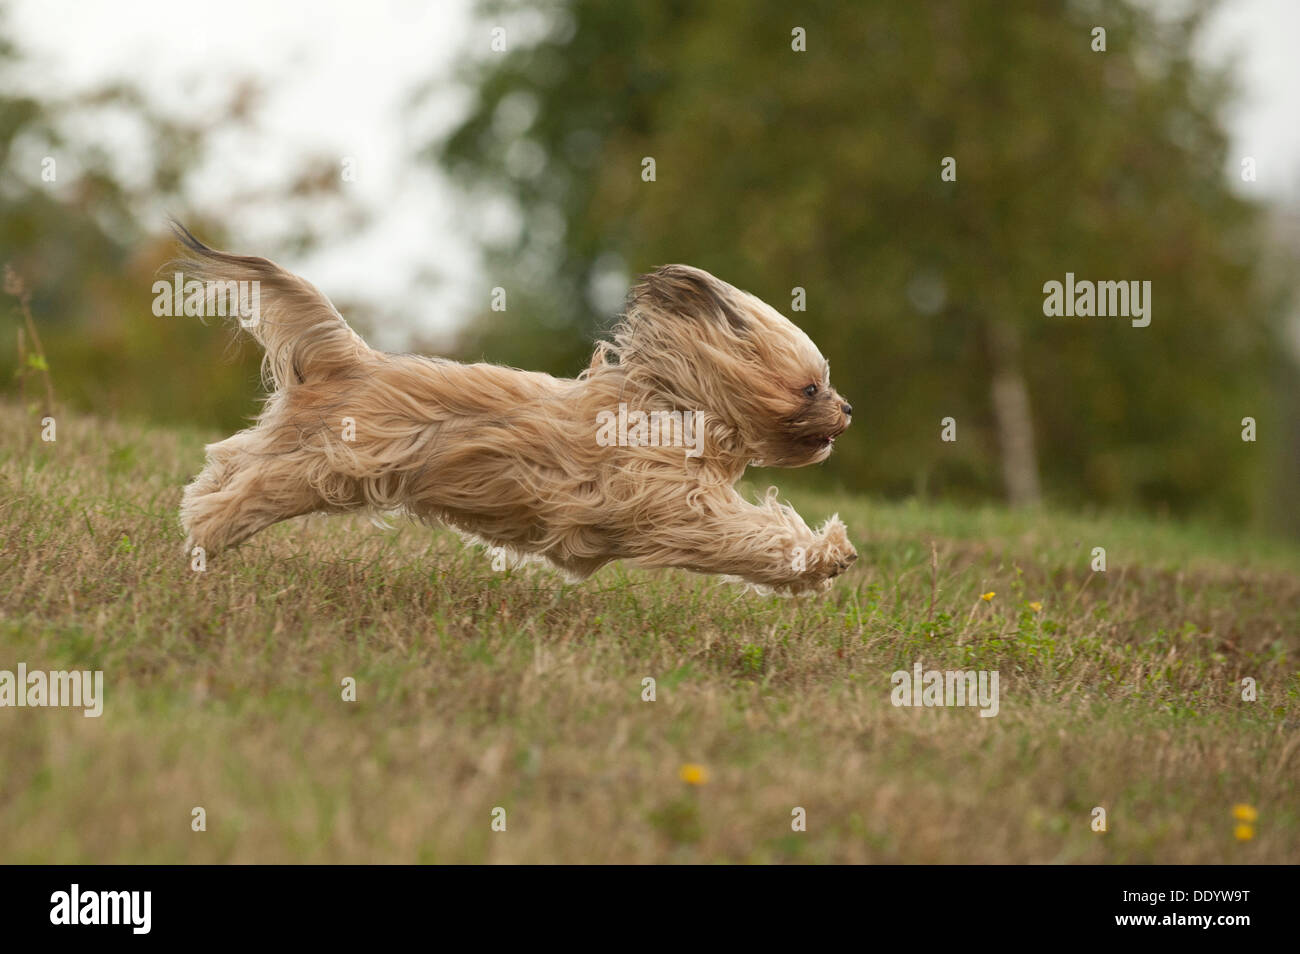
(241, 492)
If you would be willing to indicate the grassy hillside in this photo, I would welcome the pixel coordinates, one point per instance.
(478, 689)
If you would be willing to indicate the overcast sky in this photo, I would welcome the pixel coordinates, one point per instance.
(337, 74)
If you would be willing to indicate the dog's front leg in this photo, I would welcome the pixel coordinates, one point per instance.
(767, 544)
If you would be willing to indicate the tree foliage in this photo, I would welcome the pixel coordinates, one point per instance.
(820, 169)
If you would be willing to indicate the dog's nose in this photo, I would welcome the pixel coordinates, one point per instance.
(847, 408)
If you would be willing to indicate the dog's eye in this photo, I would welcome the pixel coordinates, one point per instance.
(810, 390)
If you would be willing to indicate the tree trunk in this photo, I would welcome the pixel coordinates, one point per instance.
(1011, 415)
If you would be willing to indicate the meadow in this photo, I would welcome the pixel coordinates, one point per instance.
(476, 690)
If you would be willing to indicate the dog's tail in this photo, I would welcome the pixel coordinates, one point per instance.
(303, 335)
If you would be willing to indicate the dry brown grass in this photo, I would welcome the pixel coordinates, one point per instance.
(479, 689)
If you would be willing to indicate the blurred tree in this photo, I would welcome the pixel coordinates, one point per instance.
(83, 226)
(820, 168)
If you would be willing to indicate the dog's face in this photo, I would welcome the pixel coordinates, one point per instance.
(706, 345)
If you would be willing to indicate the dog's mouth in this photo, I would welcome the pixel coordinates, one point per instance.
(813, 438)
(824, 439)
(821, 441)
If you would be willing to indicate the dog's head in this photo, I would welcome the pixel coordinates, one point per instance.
(702, 344)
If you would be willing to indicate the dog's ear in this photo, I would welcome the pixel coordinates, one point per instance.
(691, 293)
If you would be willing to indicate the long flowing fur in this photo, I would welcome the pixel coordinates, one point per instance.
(512, 458)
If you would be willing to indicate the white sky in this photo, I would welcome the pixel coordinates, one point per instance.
(1262, 35)
(336, 74)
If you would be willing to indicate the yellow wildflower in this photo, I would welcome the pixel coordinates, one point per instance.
(693, 774)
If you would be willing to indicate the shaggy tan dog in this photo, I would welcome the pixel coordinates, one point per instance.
(519, 459)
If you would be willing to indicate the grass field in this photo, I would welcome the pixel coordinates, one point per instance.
(478, 689)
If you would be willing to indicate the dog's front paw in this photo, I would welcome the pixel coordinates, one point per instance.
(833, 553)
(827, 557)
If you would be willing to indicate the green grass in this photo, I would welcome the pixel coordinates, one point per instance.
(479, 689)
